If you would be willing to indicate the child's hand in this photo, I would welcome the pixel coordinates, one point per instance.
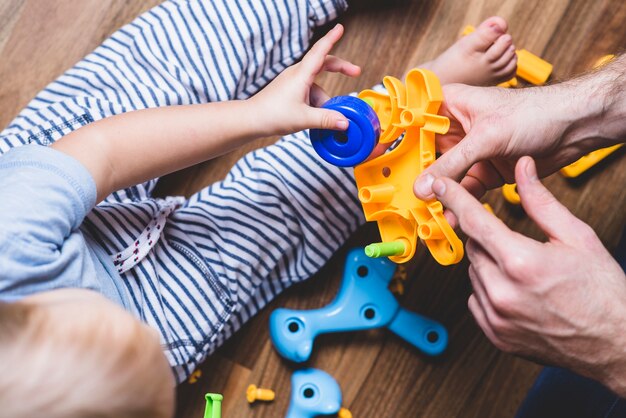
(288, 103)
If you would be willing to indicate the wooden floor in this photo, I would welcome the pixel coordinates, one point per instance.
(380, 375)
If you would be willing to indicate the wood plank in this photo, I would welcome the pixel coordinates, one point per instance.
(381, 376)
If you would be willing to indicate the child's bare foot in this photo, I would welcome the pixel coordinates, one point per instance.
(482, 58)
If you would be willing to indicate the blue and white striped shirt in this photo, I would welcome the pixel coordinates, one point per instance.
(197, 269)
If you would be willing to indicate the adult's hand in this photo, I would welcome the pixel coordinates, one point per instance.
(491, 128)
(561, 302)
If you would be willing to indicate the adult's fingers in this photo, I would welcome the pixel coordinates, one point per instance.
(546, 211)
(479, 290)
(480, 225)
(495, 290)
(484, 323)
(453, 164)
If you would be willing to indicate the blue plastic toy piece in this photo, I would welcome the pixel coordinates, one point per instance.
(313, 393)
(353, 146)
(363, 302)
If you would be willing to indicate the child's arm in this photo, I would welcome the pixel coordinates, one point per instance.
(131, 148)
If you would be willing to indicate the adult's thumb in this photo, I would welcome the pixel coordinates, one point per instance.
(452, 164)
(544, 209)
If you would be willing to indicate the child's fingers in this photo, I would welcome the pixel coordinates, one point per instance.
(318, 96)
(335, 64)
(313, 61)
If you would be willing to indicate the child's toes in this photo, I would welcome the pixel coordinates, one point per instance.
(496, 21)
(499, 47)
(507, 56)
(488, 32)
(508, 65)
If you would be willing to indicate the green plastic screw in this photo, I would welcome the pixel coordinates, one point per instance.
(385, 249)
(213, 405)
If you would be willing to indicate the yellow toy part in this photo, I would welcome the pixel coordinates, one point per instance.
(532, 68)
(344, 413)
(511, 83)
(385, 183)
(509, 191)
(603, 60)
(578, 167)
(195, 376)
(387, 107)
(254, 394)
(529, 66)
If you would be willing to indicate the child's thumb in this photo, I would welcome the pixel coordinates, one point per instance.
(327, 119)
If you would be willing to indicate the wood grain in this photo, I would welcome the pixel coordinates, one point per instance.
(381, 376)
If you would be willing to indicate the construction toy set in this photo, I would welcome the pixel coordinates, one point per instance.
(405, 120)
(385, 183)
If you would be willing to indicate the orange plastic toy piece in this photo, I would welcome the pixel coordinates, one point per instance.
(603, 60)
(509, 191)
(385, 183)
(254, 394)
(578, 167)
(529, 66)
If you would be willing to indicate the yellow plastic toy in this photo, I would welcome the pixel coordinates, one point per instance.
(529, 66)
(344, 413)
(254, 394)
(603, 60)
(578, 167)
(195, 376)
(509, 191)
(385, 183)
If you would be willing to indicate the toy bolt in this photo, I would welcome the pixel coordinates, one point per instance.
(197, 374)
(254, 394)
(344, 413)
(385, 249)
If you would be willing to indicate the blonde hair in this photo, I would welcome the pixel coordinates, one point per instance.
(88, 365)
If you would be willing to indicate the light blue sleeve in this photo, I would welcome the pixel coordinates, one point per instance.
(44, 197)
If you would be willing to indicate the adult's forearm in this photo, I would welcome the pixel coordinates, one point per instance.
(134, 147)
(594, 106)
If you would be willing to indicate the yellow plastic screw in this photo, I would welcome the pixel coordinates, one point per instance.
(344, 413)
(197, 374)
(254, 394)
